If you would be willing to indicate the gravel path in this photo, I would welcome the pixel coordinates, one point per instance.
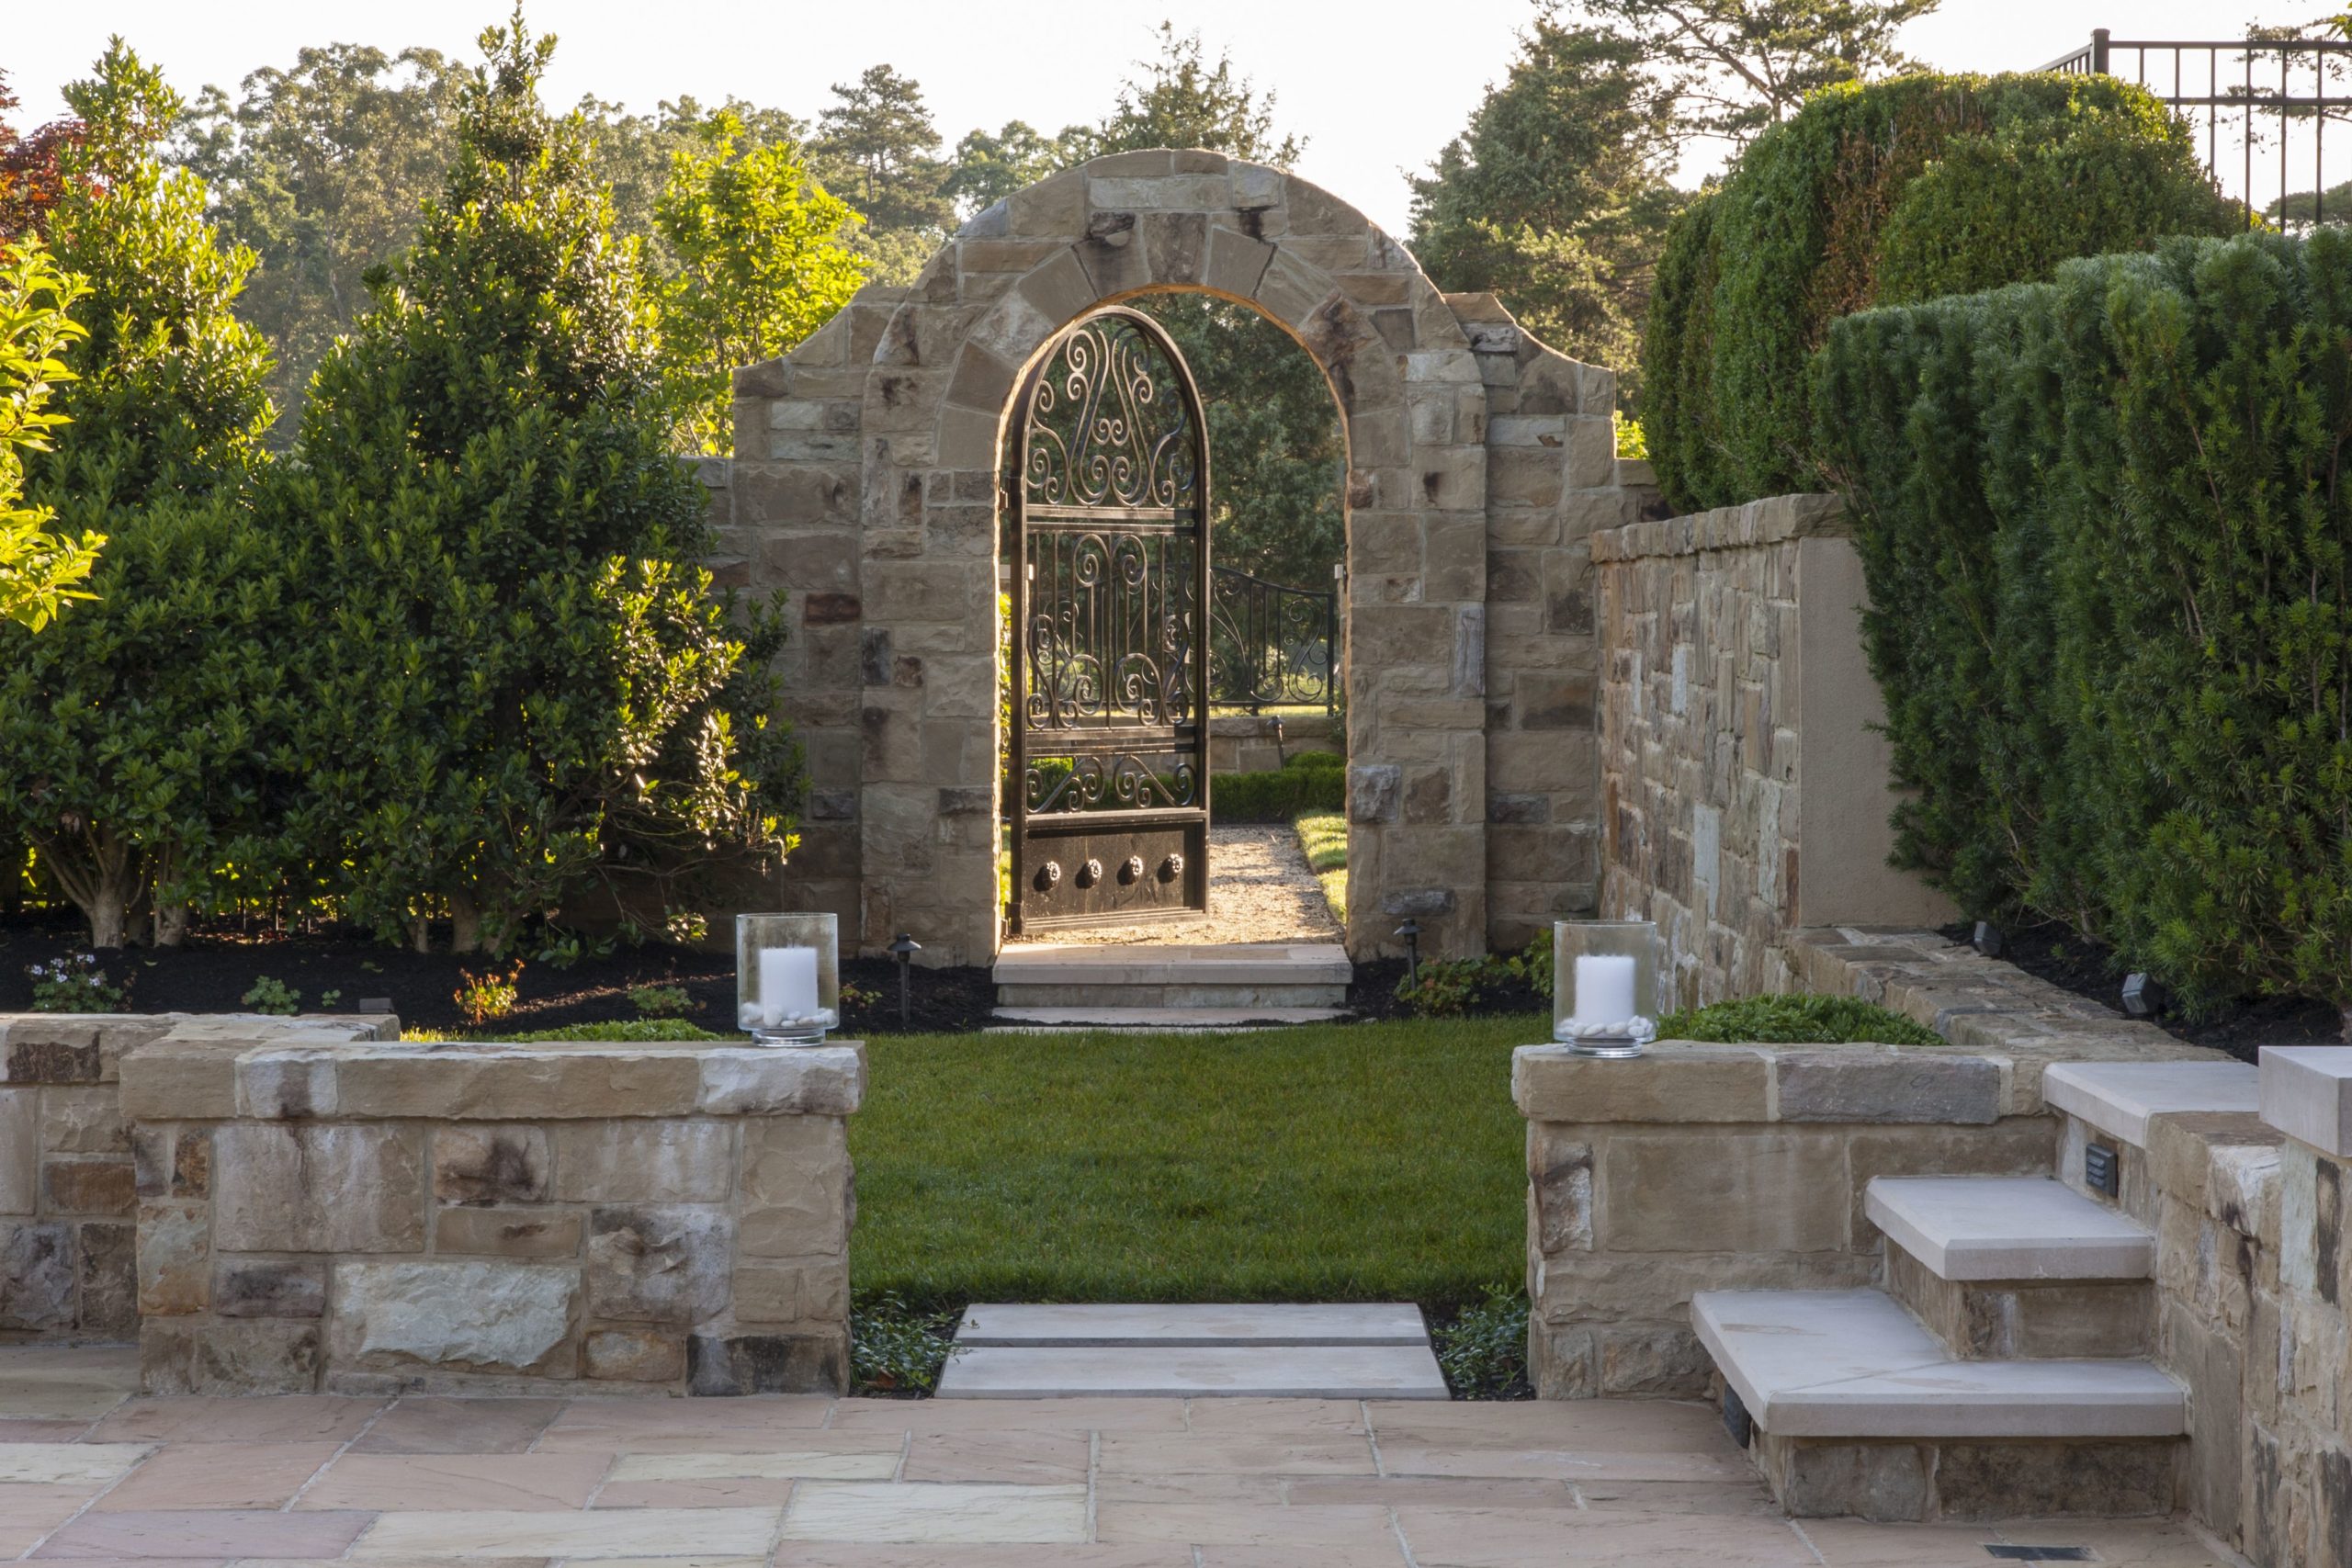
(1260, 890)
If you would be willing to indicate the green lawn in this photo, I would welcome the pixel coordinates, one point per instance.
(1347, 1162)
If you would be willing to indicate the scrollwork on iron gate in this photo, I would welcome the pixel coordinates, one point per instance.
(1107, 752)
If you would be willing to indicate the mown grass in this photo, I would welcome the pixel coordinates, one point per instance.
(1349, 1162)
(1323, 837)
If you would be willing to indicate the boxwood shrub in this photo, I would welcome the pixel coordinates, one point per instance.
(2109, 544)
(1888, 193)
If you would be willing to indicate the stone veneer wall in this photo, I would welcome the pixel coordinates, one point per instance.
(68, 1210)
(864, 486)
(2254, 1281)
(1743, 1167)
(373, 1217)
(1744, 791)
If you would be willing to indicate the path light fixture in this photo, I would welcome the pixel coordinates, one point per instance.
(1987, 940)
(904, 949)
(1604, 985)
(2143, 998)
(1411, 933)
(788, 977)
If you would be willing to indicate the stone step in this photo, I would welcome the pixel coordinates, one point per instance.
(1095, 1000)
(2007, 1228)
(1358, 1350)
(1152, 1020)
(1853, 1364)
(2117, 1098)
(1171, 964)
(1200, 1324)
(1262, 1371)
(2012, 1320)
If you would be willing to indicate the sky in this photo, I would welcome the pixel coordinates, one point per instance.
(1376, 86)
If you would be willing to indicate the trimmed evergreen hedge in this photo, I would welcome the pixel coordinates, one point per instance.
(1309, 780)
(1887, 194)
(2110, 554)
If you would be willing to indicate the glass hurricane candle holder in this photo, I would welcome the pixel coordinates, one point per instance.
(1604, 985)
(788, 977)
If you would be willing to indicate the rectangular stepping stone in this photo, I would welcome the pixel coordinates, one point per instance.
(1152, 1021)
(1144, 964)
(1303, 1371)
(2117, 1098)
(2001, 1227)
(1278, 1324)
(1854, 1364)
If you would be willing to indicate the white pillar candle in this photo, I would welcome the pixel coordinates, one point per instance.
(1604, 990)
(788, 985)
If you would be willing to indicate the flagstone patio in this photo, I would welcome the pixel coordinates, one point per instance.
(89, 1472)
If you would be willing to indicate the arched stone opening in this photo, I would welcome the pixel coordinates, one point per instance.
(864, 484)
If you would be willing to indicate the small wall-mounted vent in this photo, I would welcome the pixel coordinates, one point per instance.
(2101, 1169)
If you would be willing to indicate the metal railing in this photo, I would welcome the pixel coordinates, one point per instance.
(1271, 644)
(2262, 91)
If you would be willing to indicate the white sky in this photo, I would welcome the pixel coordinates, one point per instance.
(1373, 101)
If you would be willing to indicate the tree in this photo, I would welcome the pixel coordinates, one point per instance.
(874, 149)
(134, 732)
(632, 155)
(518, 684)
(38, 569)
(761, 261)
(1182, 100)
(320, 170)
(1555, 195)
(990, 168)
(1735, 66)
(30, 182)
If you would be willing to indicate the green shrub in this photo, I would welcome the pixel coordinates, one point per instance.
(1884, 194)
(1310, 781)
(2111, 569)
(1795, 1020)
(1483, 1353)
(269, 994)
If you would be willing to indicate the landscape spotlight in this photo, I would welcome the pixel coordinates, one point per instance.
(1987, 940)
(2142, 996)
(906, 947)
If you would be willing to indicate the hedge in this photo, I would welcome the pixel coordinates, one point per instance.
(1309, 780)
(1889, 193)
(2109, 558)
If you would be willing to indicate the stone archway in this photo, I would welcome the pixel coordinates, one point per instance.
(864, 483)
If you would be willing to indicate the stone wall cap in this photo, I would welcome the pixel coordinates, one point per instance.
(2306, 1093)
(1773, 520)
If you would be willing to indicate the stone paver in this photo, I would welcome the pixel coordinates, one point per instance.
(805, 1483)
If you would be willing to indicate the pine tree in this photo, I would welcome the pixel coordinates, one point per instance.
(521, 684)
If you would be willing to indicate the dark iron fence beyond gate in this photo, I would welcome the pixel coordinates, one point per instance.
(1271, 644)
(2257, 103)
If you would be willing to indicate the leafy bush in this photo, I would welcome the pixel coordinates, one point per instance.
(1483, 1353)
(75, 983)
(2109, 558)
(1884, 194)
(1795, 1020)
(660, 1001)
(271, 995)
(1450, 987)
(487, 995)
(898, 1349)
(1309, 780)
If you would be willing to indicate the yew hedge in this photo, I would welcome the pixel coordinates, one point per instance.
(2109, 544)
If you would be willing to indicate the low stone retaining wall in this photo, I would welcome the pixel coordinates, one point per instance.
(275, 1205)
(1262, 743)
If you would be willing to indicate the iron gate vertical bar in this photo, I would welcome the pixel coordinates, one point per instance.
(1016, 652)
(2099, 51)
(1331, 652)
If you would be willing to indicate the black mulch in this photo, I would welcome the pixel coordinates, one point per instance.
(2053, 953)
(216, 968)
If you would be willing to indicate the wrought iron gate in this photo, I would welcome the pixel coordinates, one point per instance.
(1108, 770)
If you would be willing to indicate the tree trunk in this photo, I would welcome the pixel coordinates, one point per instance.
(420, 933)
(109, 911)
(171, 925)
(465, 924)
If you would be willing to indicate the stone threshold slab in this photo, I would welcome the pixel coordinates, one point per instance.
(2008, 1227)
(1132, 1372)
(1236, 963)
(2120, 1098)
(1854, 1364)
(1194, 1324)
(1159, 1019)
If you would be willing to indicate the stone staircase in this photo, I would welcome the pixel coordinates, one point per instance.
(2002, 1369)
(1171, 986)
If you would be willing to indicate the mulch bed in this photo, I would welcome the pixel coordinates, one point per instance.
(216, 967)
(2087, 968)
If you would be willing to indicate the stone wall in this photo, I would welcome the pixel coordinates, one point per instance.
(2253, 1279)
(1262, 743)
(67, 1204)
(864, 485)
(1744, 789)
(377, 1217)
(1743, 1167)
